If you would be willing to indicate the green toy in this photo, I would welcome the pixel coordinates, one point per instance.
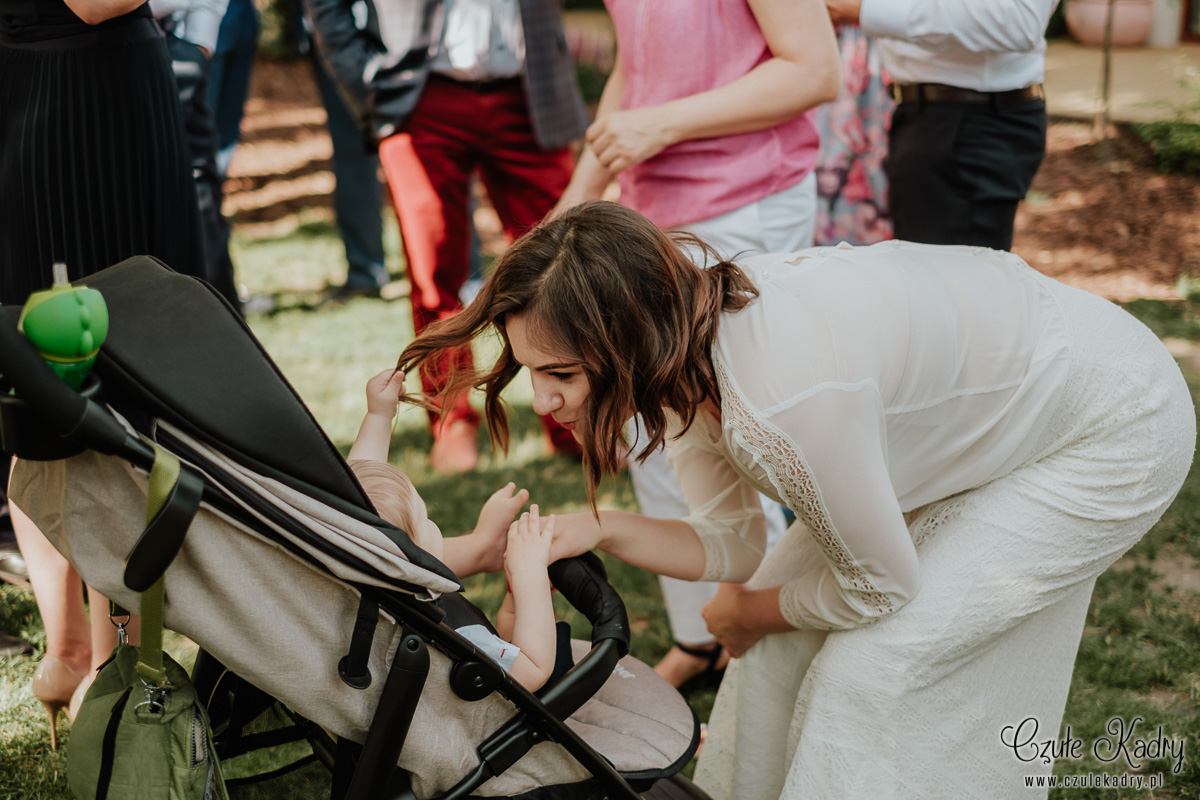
(67, 324)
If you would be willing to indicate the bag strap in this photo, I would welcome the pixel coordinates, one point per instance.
(162, 494)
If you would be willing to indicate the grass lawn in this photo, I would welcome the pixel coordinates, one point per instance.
(1140, 655)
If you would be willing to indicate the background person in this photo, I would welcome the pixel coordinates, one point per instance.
(721, 147)
(969, 132)
(852, 187)
(191, 27)
(449, 89)
(94, 169)
(966, 443)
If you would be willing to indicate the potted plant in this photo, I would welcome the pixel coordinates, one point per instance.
(1087, 19)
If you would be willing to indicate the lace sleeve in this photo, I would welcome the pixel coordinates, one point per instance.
(838, 485)
(724, 508)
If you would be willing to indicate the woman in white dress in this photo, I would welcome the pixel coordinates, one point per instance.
(966, 444)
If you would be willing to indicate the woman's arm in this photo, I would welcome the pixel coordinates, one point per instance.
(93, 12)
(804, 71)
(590, 177)
(867, 567)
(665, 546)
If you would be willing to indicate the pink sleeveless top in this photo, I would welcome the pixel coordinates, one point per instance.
(675, 48)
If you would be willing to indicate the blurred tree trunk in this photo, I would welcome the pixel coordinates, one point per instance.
(1106, 85)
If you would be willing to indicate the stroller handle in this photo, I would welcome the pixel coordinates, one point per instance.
(60, 407)
(583, 581)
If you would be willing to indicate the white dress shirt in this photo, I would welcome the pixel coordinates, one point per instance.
(985, 45)
(482, 40)
(197, 21)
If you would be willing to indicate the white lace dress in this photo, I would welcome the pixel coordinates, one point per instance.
(1029, 432)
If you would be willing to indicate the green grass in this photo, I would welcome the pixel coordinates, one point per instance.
(1139, 655)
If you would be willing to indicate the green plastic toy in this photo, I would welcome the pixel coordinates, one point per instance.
(67, 324)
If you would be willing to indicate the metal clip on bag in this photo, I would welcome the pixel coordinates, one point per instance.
(140, 733)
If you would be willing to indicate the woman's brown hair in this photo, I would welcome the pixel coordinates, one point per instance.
(601, 284)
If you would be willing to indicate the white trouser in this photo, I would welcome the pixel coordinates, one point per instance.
(780, 223)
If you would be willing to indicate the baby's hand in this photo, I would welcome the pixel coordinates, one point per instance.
(528, 543)
(491, 531)
(501, 509)
(384, 392)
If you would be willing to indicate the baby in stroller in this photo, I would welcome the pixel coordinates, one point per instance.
(524, 643)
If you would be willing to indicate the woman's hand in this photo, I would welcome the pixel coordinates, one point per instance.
(721, 615)
(739, 617)
(621, 139)
(574, 535)
(844, 12)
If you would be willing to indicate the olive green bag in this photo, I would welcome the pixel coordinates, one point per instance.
(140, 733)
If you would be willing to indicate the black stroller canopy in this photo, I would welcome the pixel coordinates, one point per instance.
(177, 351)
(199, 367)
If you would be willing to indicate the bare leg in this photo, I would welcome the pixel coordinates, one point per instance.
(59, 593)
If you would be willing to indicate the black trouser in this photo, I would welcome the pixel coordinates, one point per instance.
(191, 69)
(958, 170)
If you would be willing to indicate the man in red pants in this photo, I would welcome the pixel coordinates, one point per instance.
(484, 85)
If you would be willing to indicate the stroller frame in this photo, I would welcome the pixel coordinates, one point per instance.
(46, 420)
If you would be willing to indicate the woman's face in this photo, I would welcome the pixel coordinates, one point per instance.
(560, 386)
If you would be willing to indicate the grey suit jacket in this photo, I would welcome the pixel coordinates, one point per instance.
(381, 66)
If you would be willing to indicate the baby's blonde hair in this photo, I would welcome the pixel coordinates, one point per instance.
(397, 501)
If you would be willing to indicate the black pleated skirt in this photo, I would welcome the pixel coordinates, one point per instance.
(93, 161)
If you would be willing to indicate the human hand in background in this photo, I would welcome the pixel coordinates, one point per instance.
(621, 139)
(844, 12)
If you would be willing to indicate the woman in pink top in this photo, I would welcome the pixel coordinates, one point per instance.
(706, 123)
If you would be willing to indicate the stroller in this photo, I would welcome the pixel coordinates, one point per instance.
(318, 622)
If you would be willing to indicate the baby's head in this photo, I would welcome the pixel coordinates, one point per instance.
(397, 501)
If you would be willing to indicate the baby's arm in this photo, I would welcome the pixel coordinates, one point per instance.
(505, 618)
(375, 434)
(533, 632)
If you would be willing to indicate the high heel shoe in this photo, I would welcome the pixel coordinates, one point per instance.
(54, 683)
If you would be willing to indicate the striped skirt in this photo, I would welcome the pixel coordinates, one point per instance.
(93, 161)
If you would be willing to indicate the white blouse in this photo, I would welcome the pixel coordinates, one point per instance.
(863, 383)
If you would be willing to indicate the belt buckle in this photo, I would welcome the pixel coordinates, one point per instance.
(897, 93)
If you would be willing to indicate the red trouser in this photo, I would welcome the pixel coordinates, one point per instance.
(455, 129)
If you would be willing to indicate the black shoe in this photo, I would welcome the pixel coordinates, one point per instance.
(337, 295)
(710, 676)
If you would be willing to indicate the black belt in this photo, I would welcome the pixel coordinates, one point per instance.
(940, 93)
(484, 86)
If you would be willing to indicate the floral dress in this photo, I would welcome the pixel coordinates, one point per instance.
(852, 203)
